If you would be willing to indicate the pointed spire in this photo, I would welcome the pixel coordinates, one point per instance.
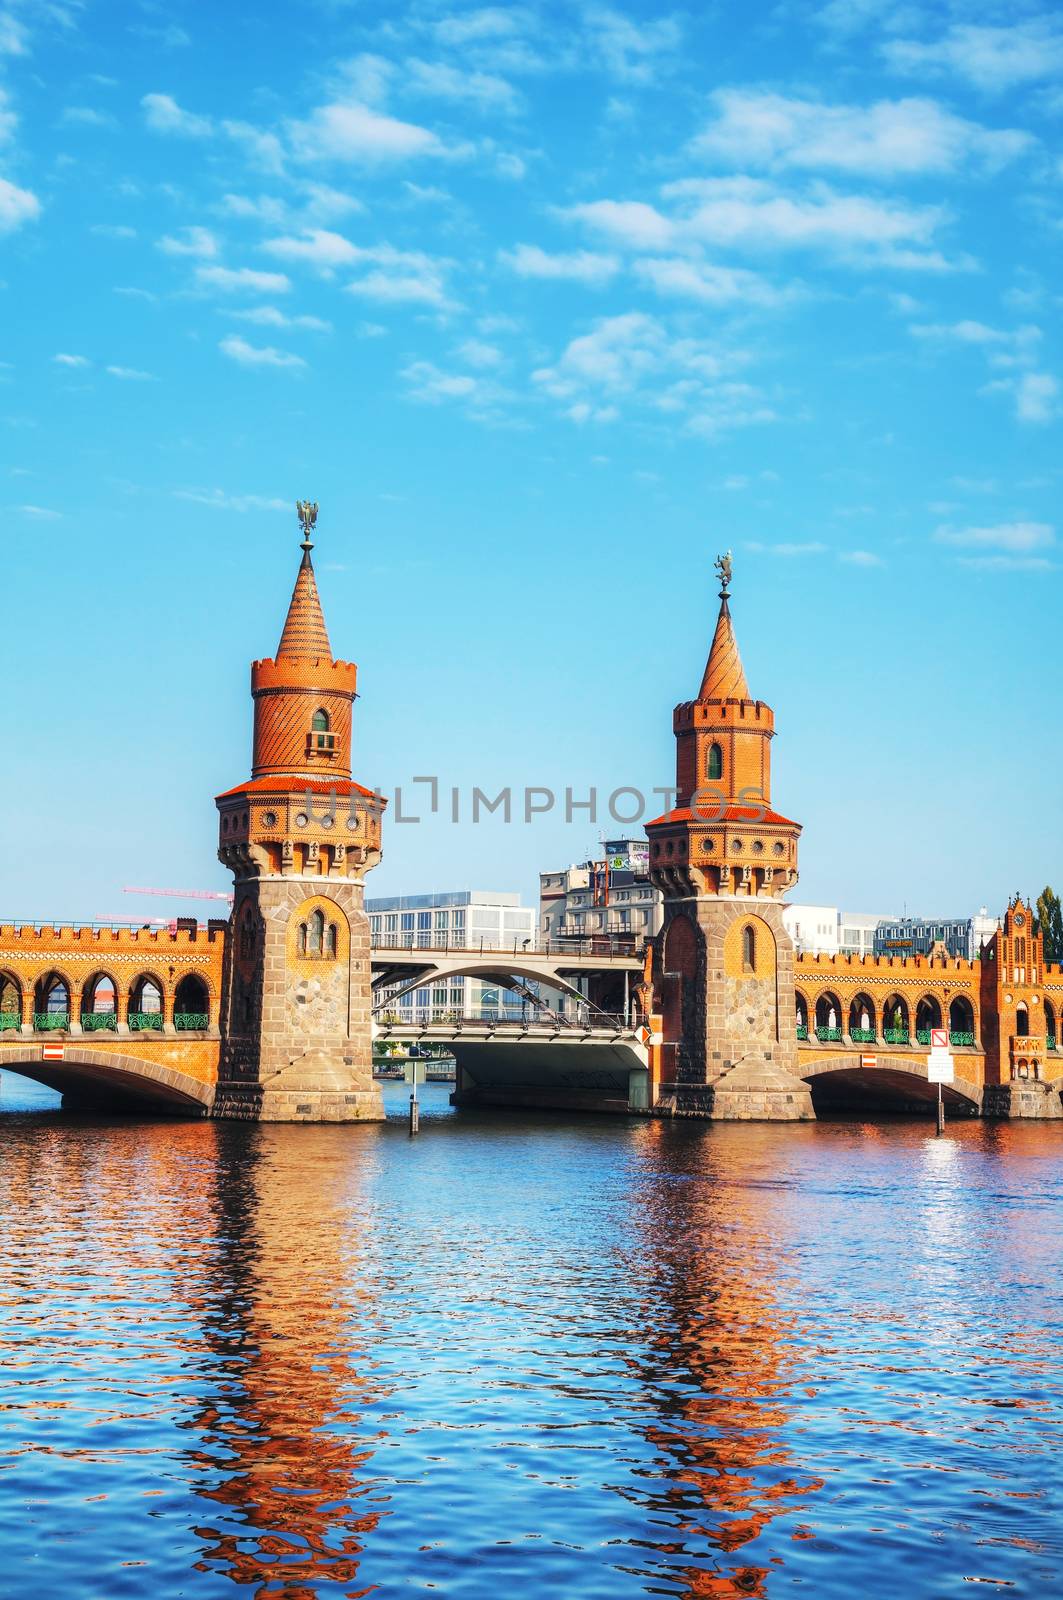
(724, 677)
(305, 637)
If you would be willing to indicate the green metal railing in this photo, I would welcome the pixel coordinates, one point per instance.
(896, 1035)
(145, 1022)
(1050, 1038)
(9, 1020)
(961, 1038)
(802, 1031)
(922, 1035)
(862, 1035)
(829, 1035)
(190, 1020)
(99, 1022)
(51, 1021)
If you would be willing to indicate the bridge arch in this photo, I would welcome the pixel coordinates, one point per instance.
(110, 1080)
(52, 996)
(843, 1081)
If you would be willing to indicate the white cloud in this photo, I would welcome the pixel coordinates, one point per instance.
(431, 385)
(190, 242)
(131, 374)
(250, 355)
(477, 353)
(8, 118)
(861, 558)
(271, 317)
(580, 266)
(628, 50)
(113, 230)
(14, 40)
(40, 513)
(16, 206)
(1014, 538)
(64, 360)
(402, 277)
(232, 280)
(219, 500)
(756, 214)
(317, 247)
(398, 288)
(263, 149)
(88, 117)
(354, 132)
(991, 58)
(483, 91)
(888, 138)
(1036, 397)
(634, 358)
(965, 332)
(486, 22)
(629, 222)
(682, 278)
(163, 115)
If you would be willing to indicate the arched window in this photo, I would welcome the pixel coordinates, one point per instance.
(1022, 1022)
(51, 1003)
(10, 1003)
(330, 940)
(145, 1006)
(302, 938)
(714, 768)
(191, 1004)
(315, 933)
(321, 736)
(749, 950)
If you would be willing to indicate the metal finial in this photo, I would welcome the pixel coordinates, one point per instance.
(307, 512)
(723, 572)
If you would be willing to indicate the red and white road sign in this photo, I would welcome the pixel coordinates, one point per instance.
(868, 1061)
(939, 1038)
(52, 1052)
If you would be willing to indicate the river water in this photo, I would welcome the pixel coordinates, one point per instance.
(528, 1355)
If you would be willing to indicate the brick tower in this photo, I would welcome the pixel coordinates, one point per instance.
(299, 837)
(1012, 978)
(723, 965)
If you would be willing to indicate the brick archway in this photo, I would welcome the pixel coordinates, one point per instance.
(110, 1078)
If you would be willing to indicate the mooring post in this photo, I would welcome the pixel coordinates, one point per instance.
(415, 1113)
(941, 1113)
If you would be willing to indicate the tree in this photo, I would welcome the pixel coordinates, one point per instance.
(1050, 923)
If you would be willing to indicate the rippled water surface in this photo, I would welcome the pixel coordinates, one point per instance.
(528, 1355)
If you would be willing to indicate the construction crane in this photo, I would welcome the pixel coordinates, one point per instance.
(182, 894)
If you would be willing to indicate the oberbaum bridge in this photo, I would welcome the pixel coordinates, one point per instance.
(272, 1014)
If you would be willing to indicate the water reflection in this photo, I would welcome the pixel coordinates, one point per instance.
(585, 1358)
(282, 1450)
(717, 1363)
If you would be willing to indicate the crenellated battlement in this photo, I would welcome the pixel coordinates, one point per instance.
(41, 936)
(808, 962)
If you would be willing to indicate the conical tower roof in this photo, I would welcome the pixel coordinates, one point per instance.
(305, 637)
(725, 677)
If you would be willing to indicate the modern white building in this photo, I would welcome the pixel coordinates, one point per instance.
(611, 894)
(477, 919)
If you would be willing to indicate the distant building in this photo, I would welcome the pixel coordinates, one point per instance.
(611, 894)
(826, 931)
(813, 929)
(467, 918)
(916, 936)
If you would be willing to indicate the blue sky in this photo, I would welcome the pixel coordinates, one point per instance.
(545, 305)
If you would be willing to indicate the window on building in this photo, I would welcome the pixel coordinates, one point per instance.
(321, 736)
(749, 950)
(714, 767)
